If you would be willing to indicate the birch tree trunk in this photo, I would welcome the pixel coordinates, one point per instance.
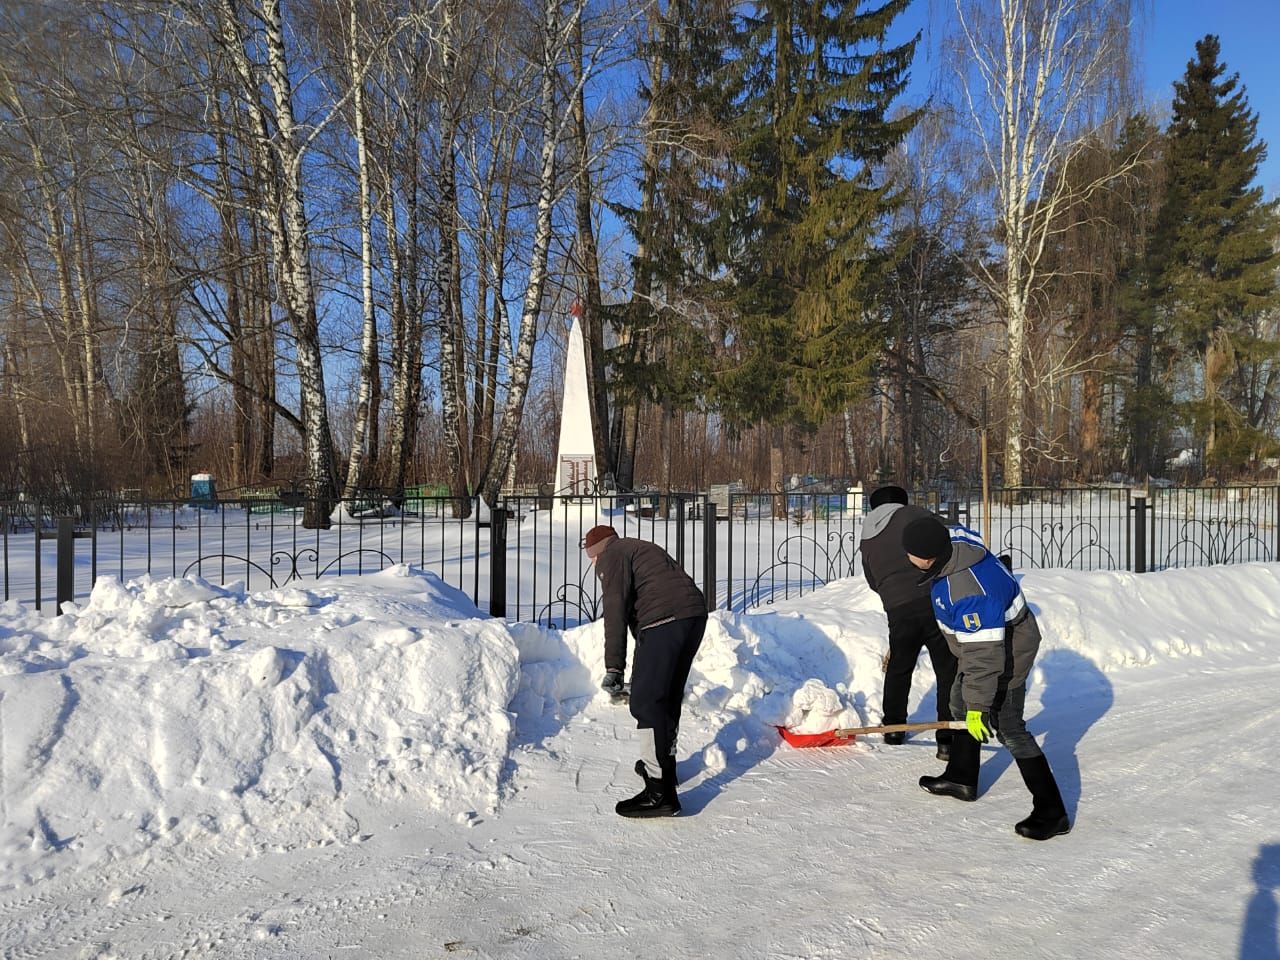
(1037, 79)
(298, 284)
(850, 446)
(263, 356)
(73, 375)
(281, 178)
(366, 411)
(405, 345)
(504, 444)
(453, 406)
(13, 388)
(404, 255)
(91, 360)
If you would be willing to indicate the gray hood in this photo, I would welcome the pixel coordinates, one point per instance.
(963, 556)
(878, 519)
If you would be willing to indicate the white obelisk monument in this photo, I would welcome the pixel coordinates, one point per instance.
(575, 456)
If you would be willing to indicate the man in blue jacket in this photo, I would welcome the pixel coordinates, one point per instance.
(988, 625)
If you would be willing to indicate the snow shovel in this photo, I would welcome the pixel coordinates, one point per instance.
(843, 735)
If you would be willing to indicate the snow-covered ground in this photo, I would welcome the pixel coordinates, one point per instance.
(369, 767)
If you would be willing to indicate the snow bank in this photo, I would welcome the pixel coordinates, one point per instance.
(175, 710)
(814, 663)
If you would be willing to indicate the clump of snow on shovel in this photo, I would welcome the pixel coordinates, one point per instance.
(816, 708)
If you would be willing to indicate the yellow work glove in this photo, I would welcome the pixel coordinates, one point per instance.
(976, 721)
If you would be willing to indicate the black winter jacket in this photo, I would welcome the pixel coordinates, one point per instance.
(641, 586)
(884, 563)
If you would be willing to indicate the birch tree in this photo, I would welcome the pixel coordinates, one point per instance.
(366, 411)
(1037, 81)
(554, 123)
(64, 325)
(504, 443)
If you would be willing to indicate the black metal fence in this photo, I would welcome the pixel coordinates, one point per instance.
(523, 560)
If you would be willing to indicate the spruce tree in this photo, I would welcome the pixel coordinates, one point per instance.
(661, 354)
(803, 212)
(1213, 262)
(1149, 413)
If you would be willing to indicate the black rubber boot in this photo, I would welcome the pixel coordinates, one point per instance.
(896, 738)
(944, 738)
(960, 778)
(657, 799)
(1048, 812)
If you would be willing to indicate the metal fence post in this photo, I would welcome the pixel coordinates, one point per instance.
(1139, 510)
(66, 589)
(709, 554)
(498, 562)
(4, 531)
(728, 600)
(39, 575)
(680, 530)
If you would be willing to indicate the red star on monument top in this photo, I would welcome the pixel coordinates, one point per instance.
(575, 311)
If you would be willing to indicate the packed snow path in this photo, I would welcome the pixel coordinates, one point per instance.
(1168, 771)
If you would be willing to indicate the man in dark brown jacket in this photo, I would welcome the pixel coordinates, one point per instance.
(644, 591)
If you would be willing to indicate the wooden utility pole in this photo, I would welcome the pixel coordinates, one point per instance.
(986, 475)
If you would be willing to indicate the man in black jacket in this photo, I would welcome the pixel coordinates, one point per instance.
(907, 605)
(645, 592)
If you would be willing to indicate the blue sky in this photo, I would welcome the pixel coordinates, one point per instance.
(1249, 31)
(1250, 35)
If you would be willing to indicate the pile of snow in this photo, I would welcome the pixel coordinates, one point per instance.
(171, 710)
(814, 663)
(168, 711)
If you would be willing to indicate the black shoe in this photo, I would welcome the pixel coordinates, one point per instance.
(1041, 828)
(657, 799)
(895, 739)
(944, 750)
(942, 787)
(652, 801)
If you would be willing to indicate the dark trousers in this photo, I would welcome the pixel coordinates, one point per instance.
(659, 671)
(1010, 727)
(910, 628)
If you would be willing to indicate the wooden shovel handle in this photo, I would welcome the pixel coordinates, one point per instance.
(903, 727)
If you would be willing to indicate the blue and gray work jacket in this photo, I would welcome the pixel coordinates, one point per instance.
(981, 611)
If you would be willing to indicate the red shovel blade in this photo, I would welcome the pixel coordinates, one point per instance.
(828, 738)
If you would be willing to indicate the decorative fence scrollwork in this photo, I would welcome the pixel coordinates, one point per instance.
(585, 603)
(822, 566)
(1055, 544)
(1217, 540)
(278, 558)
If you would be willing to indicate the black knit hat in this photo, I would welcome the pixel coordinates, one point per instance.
(888, 494)
(929, 539)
